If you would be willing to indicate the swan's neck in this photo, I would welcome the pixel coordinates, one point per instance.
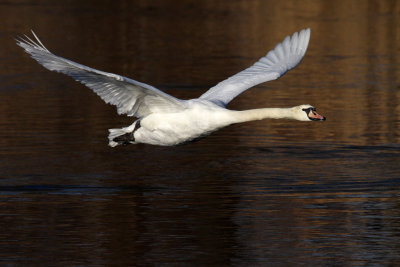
(264, 113)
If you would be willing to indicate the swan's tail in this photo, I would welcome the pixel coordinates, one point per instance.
(123, 136)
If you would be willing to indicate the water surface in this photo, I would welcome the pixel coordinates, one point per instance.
(265, 193)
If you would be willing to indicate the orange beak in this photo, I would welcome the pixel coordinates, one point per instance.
(313, 115)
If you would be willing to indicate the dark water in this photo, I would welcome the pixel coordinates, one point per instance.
(265, 193)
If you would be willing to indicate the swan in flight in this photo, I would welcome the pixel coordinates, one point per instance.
(167, 121)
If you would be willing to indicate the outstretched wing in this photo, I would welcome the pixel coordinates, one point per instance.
(276, 63)
(131, 97)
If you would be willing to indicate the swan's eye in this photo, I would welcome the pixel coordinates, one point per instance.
(309, 109)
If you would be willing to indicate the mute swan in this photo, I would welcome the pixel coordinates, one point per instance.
(165, 120)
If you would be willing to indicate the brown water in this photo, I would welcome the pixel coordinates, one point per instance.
(265, 193)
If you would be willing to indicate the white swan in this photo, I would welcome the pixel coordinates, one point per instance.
(167, 121)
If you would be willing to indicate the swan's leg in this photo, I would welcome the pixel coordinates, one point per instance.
(123, 136)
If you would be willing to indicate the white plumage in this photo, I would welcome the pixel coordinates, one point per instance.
(277, 62)
(166, 120)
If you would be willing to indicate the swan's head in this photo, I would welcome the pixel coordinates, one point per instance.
(307, 113)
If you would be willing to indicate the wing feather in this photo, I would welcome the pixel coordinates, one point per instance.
(131, 97)
(284, 57)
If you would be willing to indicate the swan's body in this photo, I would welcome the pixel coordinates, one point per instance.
(166, 120)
